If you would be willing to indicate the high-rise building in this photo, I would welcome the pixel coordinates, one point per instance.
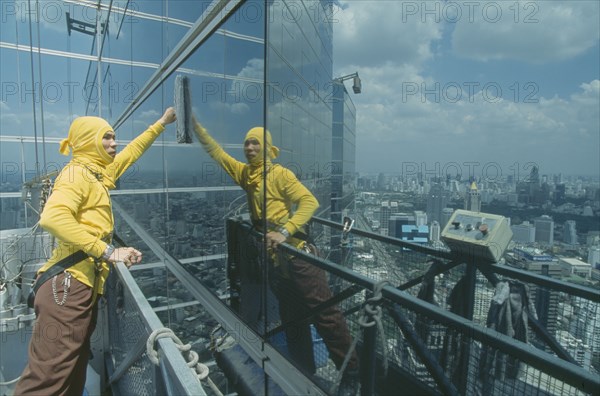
(592, 238)
(544, 230)
(594, 257)
(343, 146)
(435, 232)
(524, 232)
(446, 214)
(570, 233)
(384, 216)
(473, 199)
(342, 164)
(529, 189)
(397, 222)
(545, 301)
(420, 217)
(381, 184)
(586, 324)
(437, 199)
(559, 193)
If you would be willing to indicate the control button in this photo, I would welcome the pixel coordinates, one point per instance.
(484, 229)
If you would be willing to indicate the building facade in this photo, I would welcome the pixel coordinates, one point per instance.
(544, 230)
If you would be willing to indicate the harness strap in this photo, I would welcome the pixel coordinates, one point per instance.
(272, 226)
(59, 267)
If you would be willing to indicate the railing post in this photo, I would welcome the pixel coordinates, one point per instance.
(368, 362)
(471, 278)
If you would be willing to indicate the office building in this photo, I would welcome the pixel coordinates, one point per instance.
(343, 152)
(446, 214)
(570, 233)
(594, 257)
(397, 222)
(544, 230)
(420, 217)
(523, 233)
(586, 324)
(435, 232)
(545, 301)
(437, 200)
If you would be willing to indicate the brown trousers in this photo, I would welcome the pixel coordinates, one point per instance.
(304, 289)
(59, 349)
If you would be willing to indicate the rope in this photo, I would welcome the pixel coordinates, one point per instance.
(10, 382)
(371, 316)
(200, 370)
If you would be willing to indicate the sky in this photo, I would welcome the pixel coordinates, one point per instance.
(481, 88)
(485, 87)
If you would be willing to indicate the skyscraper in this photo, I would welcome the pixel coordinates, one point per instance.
(384, 216)
(570, 233)
(446, 214)
(397, 222)
(420, 217)
(545, 300)
(594, 257)
(544, 230)
(524, 232)
(437, 199)
(434, 232)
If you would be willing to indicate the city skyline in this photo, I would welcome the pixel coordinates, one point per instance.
(487, 87)
(282, 63)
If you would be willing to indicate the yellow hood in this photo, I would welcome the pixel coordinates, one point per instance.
(85, 139)
(261, 135)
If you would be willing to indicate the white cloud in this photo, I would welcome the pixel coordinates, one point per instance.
(225, 108)
(8, 118)
(369, 33)
(530, 31)
(404, 114)
(557, 134)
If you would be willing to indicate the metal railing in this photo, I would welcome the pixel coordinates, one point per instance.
(433, 335)
(444, 343)
(131, 321)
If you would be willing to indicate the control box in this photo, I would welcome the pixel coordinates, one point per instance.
(480, 236)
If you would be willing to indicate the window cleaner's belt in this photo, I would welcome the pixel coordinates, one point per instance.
(258, 224)
(51, 272)
(64, 264)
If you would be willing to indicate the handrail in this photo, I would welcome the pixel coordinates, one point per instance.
(388, 239)
(181, 377)
(570, 288)
(276, 366)
(564, 371)
(576, 290)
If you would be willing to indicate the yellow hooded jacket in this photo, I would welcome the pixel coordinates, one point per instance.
(79, 212)
(283, 187)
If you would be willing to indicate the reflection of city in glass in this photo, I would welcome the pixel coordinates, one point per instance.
(395, 161)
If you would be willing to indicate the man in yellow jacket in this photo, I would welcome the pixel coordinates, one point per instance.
(298, 285)
(79, 214)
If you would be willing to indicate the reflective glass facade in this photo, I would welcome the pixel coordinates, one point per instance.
(248, 64)
(56, 53)
(343, 153)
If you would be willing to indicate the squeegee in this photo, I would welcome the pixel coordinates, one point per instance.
(183, 109)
